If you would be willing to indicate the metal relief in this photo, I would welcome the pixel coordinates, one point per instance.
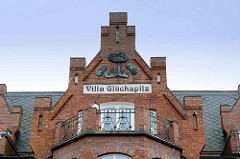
(101, 70)
(120, 57)
(117, 58)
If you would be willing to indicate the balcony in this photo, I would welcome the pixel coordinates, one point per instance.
(117, 121)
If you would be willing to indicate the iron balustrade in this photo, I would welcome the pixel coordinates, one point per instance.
(72, 126)
(116, 119)
(160, 126)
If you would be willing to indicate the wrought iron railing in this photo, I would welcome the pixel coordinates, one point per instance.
(160, 126)
(116, 119)
(72, 126)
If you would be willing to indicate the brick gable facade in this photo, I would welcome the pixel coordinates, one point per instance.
(135, 114)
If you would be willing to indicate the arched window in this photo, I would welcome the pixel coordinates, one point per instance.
(114, 156)
(117, 34)
(40, 122)
(195, 121)
(76, 79)
(158, 77)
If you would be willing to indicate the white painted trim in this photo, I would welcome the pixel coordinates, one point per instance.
(117, 88)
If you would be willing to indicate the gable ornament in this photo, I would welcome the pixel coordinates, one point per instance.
(117, 58)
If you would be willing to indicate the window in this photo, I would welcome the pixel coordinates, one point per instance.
(153, 121)
(158, 78)
(40, 122)
(117, 116)
(79, 122)
(195, 121)
(114, 156)
(117, 34)
(76, 79)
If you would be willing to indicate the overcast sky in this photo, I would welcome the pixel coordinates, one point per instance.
(200, 38)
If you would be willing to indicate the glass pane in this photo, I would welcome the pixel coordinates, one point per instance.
(109, 119)
(121, 157)
(114, 156)
(124, 119)
(107, 157)
(153, 121)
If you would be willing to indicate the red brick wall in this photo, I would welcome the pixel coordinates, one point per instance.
(138, 147)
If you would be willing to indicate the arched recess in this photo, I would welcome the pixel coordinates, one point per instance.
(117, 116)
(114, 156)
(76, 79)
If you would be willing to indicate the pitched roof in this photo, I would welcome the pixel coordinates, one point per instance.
(212, 100)
(26, 101)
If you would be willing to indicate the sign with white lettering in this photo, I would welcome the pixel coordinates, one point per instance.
(118, 88)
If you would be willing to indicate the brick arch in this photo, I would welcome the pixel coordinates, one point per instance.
(128, 151)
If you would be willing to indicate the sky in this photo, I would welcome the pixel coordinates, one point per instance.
(200, 38)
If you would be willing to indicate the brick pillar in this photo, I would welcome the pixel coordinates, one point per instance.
(89, 116)
(77, 67)
(59, 132)
(3, 89)
(174, 133)
(158, 66)
(146, 119)
(142, 119)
